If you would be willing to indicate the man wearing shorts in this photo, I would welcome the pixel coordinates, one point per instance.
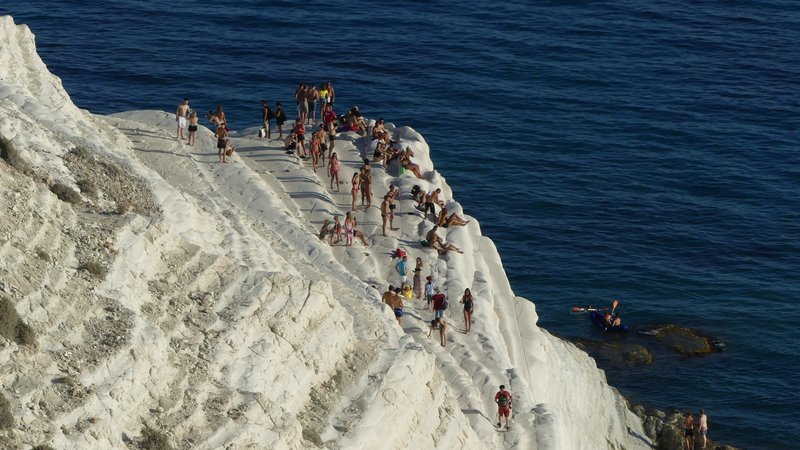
(703, 427)
(503, 400)
(180, 116)
(222, 142)
(397, 306)
(688, 432)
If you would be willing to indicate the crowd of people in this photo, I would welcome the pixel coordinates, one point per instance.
(321, 143)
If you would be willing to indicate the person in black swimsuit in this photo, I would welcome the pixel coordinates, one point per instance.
(466, 299)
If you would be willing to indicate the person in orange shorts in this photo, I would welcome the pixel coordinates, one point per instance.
(503, 400)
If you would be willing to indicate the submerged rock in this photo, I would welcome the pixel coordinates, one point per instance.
(618, 352)
(686, 341)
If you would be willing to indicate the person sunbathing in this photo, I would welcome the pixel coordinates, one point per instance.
(408, 165)
(453, 220)
(434, 241)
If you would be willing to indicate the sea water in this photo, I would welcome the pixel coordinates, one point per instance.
(645, 151)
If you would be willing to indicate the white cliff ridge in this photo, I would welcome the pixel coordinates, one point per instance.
(167, 289)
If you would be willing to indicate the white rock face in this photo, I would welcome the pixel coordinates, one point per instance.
(196, 297)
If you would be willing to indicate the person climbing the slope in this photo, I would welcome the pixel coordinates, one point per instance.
(503, 400)
(440, 304)
(440, 323)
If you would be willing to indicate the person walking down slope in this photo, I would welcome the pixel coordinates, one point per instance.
(503, 400)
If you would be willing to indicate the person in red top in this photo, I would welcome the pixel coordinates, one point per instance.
(503, 400)
(328, 117)
(300, 132)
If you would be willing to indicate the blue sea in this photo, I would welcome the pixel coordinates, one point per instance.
(645, 151)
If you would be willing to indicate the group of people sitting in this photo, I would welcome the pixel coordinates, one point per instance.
(337, 231)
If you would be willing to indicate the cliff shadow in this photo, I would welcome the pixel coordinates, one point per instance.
(475, 411)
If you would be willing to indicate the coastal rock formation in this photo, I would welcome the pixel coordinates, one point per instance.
(616, 352)
(685, 341)
(666, 430)
(180, 300)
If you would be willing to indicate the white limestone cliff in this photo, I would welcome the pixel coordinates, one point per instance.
(195, 297)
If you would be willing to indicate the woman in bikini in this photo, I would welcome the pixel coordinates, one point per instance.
(349, 230)
(365, 177)
(193, 119)
(333, 171)
(358, 233)
(466, 299)
(354, 189)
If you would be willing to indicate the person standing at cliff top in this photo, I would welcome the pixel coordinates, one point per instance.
(280, 118)
(266, 116)
(503, 400)
(688, 431)
(311, 97)
(302, 103)
(703, 428)
(401, 270)
(328, 118)
(331, 93)
(222, 142)
(193, 119)
(180, 116)
(365, 179)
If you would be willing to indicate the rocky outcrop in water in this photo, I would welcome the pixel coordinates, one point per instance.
(666, 430)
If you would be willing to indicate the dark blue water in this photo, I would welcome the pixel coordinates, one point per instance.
(654, 146)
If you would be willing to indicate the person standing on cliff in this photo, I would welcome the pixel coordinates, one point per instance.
(688, 431)
(703, 427)
(402, 270)
(180, 116)
(503, 400)
(440, 304)
(365, 177)
(280, 118)
(266, 116)
(222, 142)
(430, 286)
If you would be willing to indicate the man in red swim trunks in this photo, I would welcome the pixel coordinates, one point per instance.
(503, 400)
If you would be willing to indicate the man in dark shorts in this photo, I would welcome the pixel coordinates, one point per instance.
(503, 400)
(688, 433)
(222, 141)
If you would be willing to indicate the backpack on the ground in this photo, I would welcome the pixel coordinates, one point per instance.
(503, 400)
